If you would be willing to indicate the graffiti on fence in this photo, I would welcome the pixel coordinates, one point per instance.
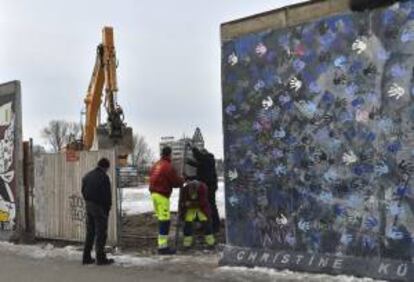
(77, 208)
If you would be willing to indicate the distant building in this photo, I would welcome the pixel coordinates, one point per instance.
(178, 149)
(198, 139)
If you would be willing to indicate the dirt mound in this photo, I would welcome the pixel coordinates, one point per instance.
(139, 234)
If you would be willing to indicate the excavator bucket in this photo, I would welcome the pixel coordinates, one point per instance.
(123, 143)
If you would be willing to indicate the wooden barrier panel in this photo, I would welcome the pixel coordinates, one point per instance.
(59, 206)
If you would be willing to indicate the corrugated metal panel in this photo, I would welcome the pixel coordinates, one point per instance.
(59, 207)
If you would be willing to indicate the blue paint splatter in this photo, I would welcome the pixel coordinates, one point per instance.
(284, 99)
(339, 210)
(326, 40)
(407, 36)
(288, 106)
(362, 168)
(230, 109)
(388, 17)
(383, 55)
(368, 242)
(394, 147)
(271, 56)
(321, 68)
(289, 140)
(277, 154)
(345, 116)
(357, 102)
(401, 190)
(350, 133)
(244, 46)
(231, 78)
(356, 67)
(398, 71)
(371, 222)
(328, 98)
(315, 88)
(351, 89)
(371, 137)
(270, 77)
(298, 65)
(254, 72)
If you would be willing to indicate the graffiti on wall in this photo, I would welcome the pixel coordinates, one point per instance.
(319, 140)
(7, 172)
(77, 208)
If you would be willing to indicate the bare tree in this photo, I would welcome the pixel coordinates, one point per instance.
(38, 150)
(58, 133)
(142, 156)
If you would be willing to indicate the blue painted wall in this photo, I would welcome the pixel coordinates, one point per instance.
(319, 141)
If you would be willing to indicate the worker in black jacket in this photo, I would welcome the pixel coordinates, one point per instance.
(96, 191)
(205, 164)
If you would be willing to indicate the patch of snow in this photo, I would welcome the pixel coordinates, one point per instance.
(133, 261)
(260, 273)
(71, 253)
(42, 251)
(136, 200)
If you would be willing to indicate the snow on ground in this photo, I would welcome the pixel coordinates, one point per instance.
(72, 253)
(206, 264)
(42, 251)
(136, 200)
(265, 274)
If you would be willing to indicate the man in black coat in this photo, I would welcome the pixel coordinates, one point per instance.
(206, 172)
(96, 191)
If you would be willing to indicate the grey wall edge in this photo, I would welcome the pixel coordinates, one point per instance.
(284, 17)
(19, 162)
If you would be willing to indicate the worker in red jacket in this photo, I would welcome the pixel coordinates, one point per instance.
(163, 178)
(194, 204)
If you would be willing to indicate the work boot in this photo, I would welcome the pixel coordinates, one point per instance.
(166, 251)
(88, 260)
(105, 261)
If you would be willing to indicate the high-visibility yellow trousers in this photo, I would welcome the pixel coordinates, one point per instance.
(162, 212)
(189, 217)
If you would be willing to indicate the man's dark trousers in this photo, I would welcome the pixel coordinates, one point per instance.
(212, 189)
(96, 227)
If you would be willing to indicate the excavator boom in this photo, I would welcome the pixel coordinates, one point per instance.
(114, 133)
(93, 101)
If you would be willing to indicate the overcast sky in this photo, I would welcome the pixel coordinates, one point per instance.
(168, 52)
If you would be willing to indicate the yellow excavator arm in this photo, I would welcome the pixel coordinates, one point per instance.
(104, 76)
(104, 73)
